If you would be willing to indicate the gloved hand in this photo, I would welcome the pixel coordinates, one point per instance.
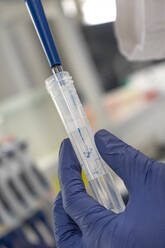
(81, 222)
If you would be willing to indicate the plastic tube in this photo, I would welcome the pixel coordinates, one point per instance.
(61, 88)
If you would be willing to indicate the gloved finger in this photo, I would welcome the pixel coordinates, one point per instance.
(131, 165)
(64, 226)
(82, 208)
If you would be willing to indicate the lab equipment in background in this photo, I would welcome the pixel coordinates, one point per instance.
(23, 220)
(63, 93)
(15, 181)
(9, 191)
(33, 233)
(23, 185)
(142, 39)
(122, 104)
(138, 108)
(33, 178)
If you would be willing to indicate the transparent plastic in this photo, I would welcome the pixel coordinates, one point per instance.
(61, 88)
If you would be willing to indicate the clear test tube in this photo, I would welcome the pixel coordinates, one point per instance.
(61, 88)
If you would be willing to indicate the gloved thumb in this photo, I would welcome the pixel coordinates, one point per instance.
(130, 164)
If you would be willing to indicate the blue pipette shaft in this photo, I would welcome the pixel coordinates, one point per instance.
(41, 24)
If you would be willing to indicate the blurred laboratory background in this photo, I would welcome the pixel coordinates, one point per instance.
(127, 98)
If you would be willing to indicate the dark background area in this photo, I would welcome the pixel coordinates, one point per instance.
(111, 65)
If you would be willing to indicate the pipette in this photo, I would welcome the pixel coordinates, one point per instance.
(60, 87)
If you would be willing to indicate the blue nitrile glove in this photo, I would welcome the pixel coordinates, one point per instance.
(81, 222)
